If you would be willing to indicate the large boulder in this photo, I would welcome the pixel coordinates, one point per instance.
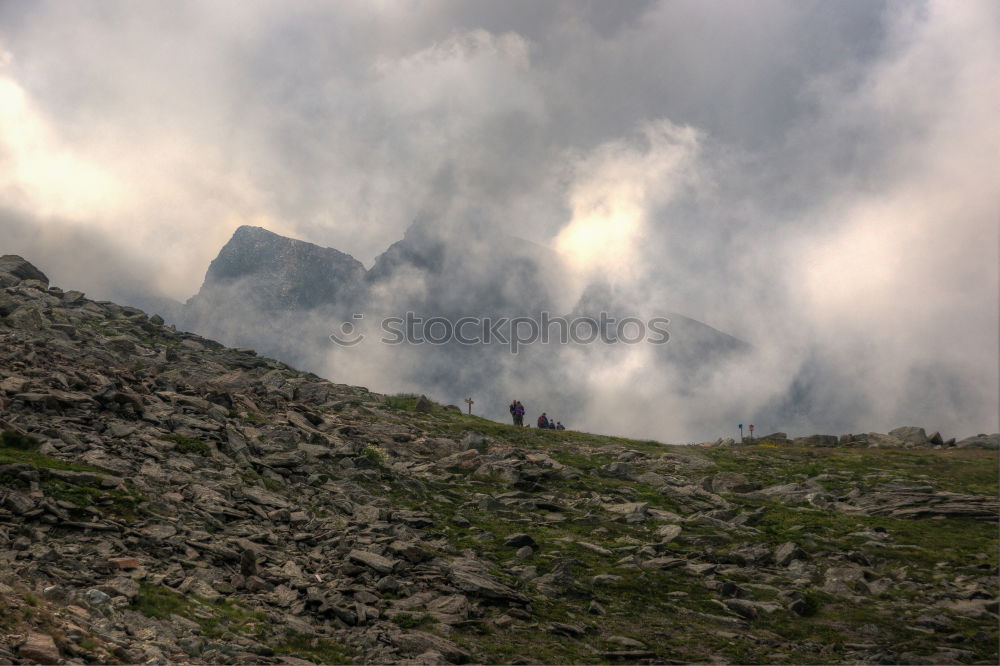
(980, 442)
(39, 649)
(729, 482)
(21, 268)
(911, 435)
(877, 440)
(816, 440)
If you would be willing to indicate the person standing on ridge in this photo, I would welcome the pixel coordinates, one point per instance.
(518, 413)
(513, 410)
(543, 421)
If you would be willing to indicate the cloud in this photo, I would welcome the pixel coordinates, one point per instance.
(40, 173)
(814, 177)
(616, 189)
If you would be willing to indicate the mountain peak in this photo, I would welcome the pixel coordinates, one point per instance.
(279, 273)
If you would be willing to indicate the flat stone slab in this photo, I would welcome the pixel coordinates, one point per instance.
(380, 564)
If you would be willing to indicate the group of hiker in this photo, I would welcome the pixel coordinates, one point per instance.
(517, 413)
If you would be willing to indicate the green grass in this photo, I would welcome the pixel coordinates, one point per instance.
(217, 618)
(412, 621)
(956, 470)
(214, 618)
(188, 444)
(161, 602)
(374, 454)
(404, 402)
(37, 460)
(123, 504)
(270, 484)
(316, 650)
(10, 439)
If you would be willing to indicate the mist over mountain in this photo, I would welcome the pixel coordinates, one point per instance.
(287, 296)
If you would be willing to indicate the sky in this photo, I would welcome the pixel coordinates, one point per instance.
(817, 178)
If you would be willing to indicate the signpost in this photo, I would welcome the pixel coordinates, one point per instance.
(751, 433)
(469, 402)
(741, 432)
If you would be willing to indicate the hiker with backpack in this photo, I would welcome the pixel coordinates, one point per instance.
(543, 421)
(513, 410)
(518, 413)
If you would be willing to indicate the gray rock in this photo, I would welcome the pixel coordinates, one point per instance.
(912, 435)
(729, 482)
(879, 441)
(751, 609)
(817, 440)
(475, 441)
(382, 565)
(668, 533)
(787, 552)
(594, 548)
(518, 540)
(846, 581)
(616, 470)
(96, 597)
(19, 267)
(991, 442)
(485, 587)
(40, 649)
(17, 503)
(417, 642)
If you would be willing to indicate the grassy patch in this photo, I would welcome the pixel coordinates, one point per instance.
(122, 504)
(188, 444)
(404, 402)
(10, 455)
(411, 620)
(955, 470)
(920, 544)
(161, 602)
(10, 439)
(311, 648)
(374, 454)
(214, 618)
(270, 484)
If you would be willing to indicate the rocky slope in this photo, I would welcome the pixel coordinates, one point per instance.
(166, 499)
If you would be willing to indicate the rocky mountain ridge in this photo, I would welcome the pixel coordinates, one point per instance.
(166, 499)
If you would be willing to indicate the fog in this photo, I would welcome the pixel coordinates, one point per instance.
(817, 179)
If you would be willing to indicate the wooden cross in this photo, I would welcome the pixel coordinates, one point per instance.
(469, 402)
